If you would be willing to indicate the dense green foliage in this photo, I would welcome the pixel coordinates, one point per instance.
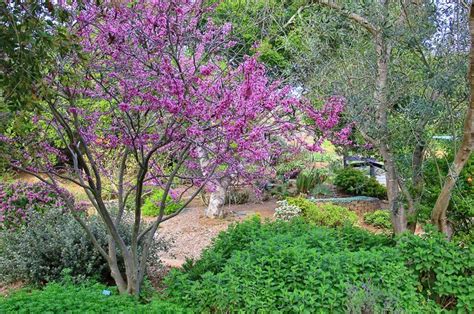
(151, 206)
(259, 22)
(54, 241)
(296, 267)
(33, 36)
(461, 206)
(324, 214)
(379, 219)
(444, 270)
(86, 297)
(291, 267)
(354, 182)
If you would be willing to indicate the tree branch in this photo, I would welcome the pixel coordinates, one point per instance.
(359, 19)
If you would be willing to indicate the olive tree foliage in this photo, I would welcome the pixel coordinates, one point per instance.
(466, 148)
(404, 83)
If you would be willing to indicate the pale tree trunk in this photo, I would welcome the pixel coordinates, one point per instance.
(438, 215)
(399, 217)
(216, 208)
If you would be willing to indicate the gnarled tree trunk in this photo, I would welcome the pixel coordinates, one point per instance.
(216, 208)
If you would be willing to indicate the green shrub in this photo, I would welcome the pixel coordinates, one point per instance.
(354, 182)
(297, 267)
(379, 219)
(321, 189)
(236, 196)
(39, 252)
(444, 270)
(464, 238)
(53, 242)
(282, 190)
(294, 267)
(328, 214)
(151, 205)
(324, 214)
(86, 297)
(308, 180)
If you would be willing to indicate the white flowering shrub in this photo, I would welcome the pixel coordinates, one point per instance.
(286, 212)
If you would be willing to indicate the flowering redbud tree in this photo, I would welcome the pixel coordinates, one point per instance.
(154, 105)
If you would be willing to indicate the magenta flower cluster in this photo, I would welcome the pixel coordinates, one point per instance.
(18, 200)
(166, 91)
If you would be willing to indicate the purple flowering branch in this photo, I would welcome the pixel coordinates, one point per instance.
(155, 103)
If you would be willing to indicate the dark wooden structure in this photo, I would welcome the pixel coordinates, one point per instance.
(358, 161)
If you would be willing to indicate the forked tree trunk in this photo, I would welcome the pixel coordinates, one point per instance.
(438, 215)
(216, 208)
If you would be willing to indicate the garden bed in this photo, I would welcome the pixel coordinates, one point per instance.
(359, 204)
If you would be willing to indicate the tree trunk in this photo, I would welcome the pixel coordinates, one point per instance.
(114, 268)
(417, 162)
(215, 209)
(438, 215)
(399, 219)
(398, 214)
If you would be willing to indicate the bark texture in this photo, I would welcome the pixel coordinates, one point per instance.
(216, 208)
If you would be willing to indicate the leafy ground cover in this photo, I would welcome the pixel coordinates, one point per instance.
(379, 219)
(290, 266)
(297, 267)
(87, 297)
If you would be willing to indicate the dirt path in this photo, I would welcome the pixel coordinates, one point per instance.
(191, 232)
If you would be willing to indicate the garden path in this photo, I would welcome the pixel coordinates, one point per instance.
(191, 232)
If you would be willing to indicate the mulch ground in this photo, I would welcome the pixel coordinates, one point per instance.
(190, 232)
